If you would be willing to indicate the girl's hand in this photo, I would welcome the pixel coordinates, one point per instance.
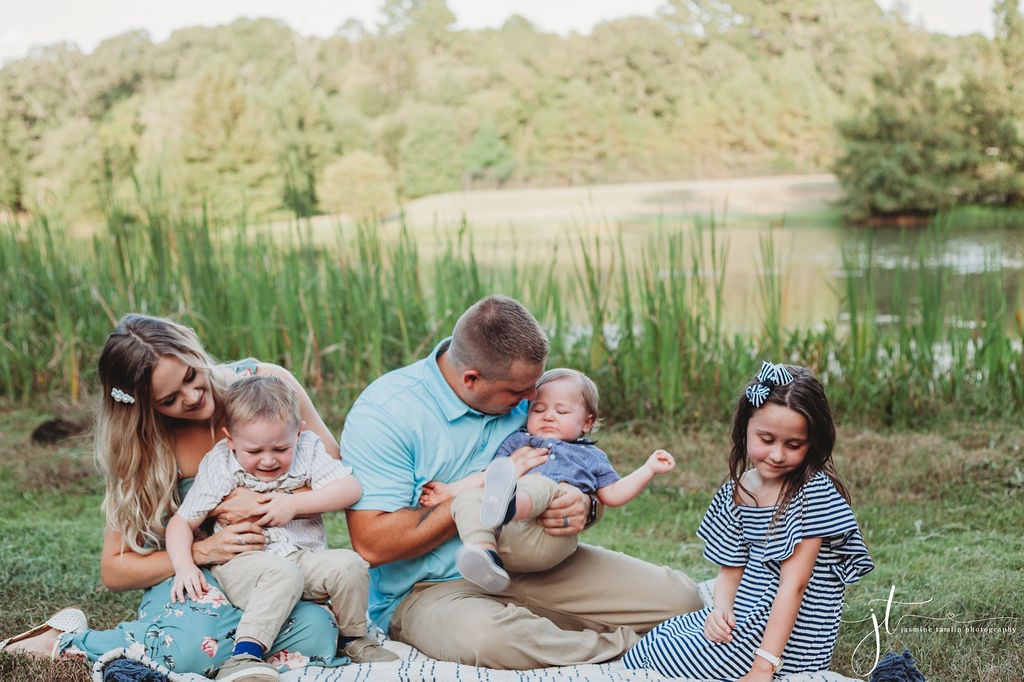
(760, 671)
(527, 458)
(719, 624)
(276, 511)
(240, 505)
(191, 582)
(228, 543)
(660, 462)
(757, 676)
(434, 493)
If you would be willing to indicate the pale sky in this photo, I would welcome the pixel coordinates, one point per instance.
(31, 23)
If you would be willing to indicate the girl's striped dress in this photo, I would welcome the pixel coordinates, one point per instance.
(738, 535)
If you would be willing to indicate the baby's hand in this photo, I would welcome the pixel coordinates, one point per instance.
(660, 461)
(277, 510)
(718, 625)
(191, 582)
(434, 493)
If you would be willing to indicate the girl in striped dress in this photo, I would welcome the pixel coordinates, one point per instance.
(787, 543)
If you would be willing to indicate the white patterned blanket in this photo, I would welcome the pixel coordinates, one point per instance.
(414, 666)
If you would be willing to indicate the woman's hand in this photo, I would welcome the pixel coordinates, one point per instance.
(567, 513)
(227, 543)
(240, 505)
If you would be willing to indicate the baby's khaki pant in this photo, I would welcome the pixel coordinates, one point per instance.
(266, 587)
(588, 609)
(523, 545)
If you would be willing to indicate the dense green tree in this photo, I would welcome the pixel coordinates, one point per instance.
(120, 137)
(302, 132)
(427, 148)
(247, 116)
(899, 154)
(992, 144)
(68, 171)
(13, 142)
(227, 163)
(1009, 37)
(489, 160)
(359, 184)
(115, 71)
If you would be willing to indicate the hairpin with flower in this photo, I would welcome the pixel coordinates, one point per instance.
(120, 396)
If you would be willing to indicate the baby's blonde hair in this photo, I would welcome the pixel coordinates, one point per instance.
(261, 398)
(588, 389)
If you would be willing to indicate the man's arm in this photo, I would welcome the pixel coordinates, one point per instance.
(381, 537)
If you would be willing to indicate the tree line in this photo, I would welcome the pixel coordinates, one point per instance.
(252, 119)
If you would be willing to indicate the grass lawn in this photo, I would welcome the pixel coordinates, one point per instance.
(940, 511)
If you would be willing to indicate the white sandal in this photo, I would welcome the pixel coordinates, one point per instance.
(65, 620)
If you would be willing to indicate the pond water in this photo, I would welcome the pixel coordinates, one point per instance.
(816, 265)
(811, 254)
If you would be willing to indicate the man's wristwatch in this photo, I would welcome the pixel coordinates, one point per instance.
(595, 508)
(776, 661)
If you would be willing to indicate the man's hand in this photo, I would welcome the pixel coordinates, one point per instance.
(567, 513)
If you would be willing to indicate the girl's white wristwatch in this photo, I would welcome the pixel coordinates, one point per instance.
(776, 661)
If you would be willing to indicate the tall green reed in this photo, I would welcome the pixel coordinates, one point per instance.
(339, 312)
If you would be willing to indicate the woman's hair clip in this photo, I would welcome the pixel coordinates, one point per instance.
(121, 397)
(768, 378)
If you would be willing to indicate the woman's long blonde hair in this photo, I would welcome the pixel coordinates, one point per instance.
(134, 444)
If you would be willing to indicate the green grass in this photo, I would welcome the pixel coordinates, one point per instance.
(940, 511)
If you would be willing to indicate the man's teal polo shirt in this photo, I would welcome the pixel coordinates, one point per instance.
(406, 429)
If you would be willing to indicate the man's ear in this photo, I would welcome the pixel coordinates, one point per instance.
(470, 377)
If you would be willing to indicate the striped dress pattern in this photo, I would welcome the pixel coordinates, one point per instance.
(739, 535)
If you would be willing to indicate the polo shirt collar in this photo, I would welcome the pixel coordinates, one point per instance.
(447, 399)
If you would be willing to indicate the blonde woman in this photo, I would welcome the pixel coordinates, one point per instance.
(160, 413)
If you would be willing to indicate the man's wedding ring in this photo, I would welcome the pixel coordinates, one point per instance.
(565, 522)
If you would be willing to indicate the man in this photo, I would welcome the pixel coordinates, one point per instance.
(440, 419)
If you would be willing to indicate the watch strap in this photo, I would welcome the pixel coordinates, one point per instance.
(776, 661)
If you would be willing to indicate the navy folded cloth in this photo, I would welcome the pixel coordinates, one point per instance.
(896, 667)
(130, 670)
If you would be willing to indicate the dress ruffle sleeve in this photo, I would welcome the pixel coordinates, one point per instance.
(819, 511)
(722, 531)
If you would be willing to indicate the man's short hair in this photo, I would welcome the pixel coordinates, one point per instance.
(495, 332)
